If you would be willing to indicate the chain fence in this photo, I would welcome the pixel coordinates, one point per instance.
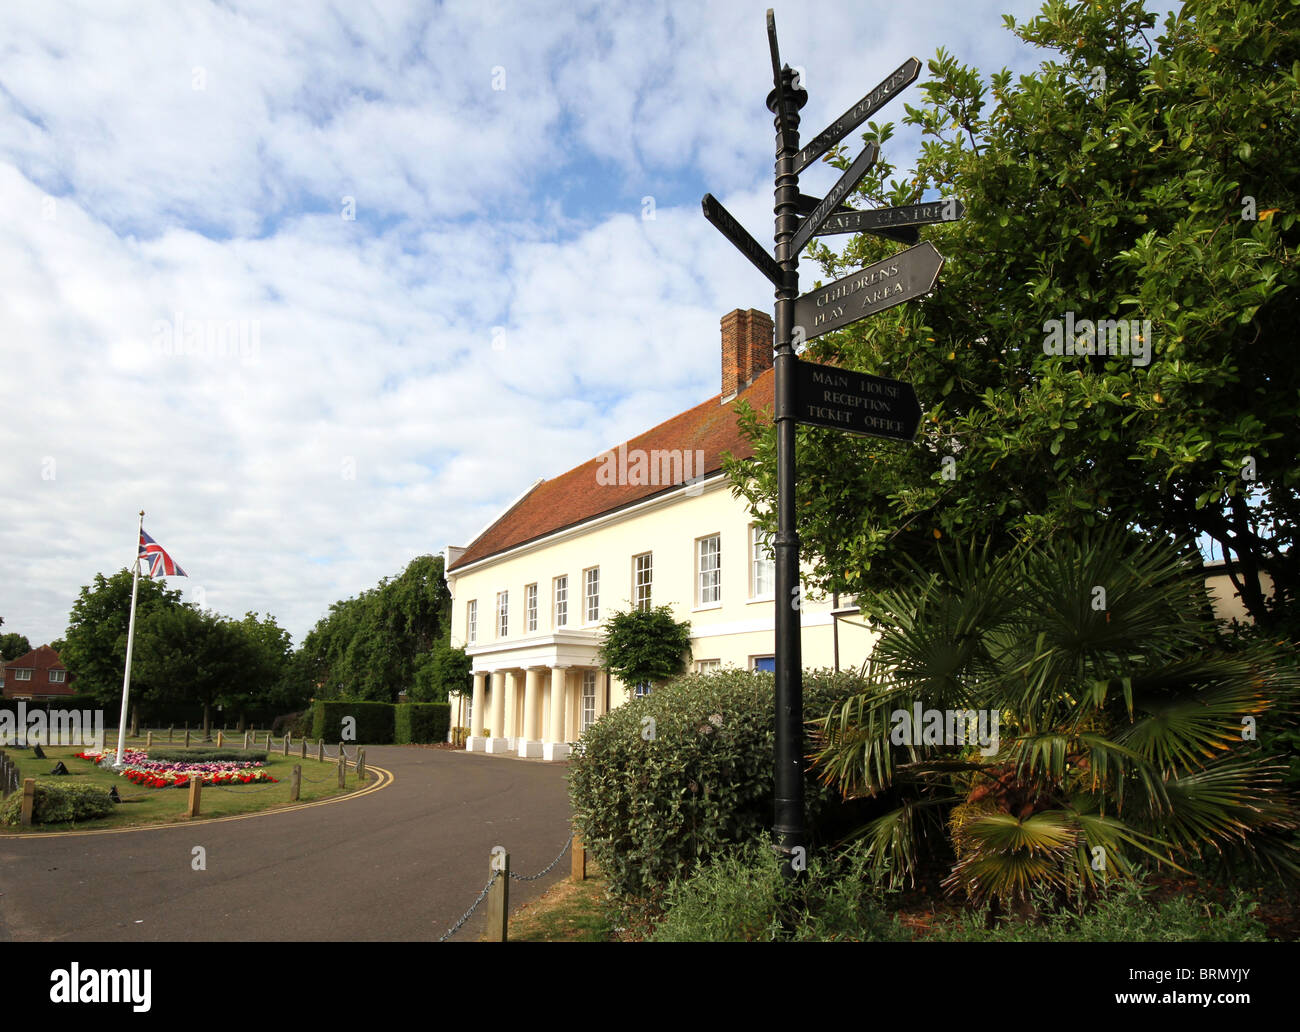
(547, 869)
(492, 881)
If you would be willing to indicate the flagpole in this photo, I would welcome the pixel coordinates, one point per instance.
(130, 642)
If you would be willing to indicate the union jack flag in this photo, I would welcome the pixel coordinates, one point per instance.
(158, 561)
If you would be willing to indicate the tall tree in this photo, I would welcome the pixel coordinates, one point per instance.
(1133, 178)
(95, 645)
(13, 645)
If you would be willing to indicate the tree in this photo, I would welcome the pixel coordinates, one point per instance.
(266, 682)
(372, 646)
(94, 649)
(441, 672)
(1128, 180)
(13, 645)
(643, 646)
(185, 654)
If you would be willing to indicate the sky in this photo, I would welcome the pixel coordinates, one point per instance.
(324, 287)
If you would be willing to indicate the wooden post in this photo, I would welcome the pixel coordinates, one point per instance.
(286, 743)
(295, 783)
(29, 800)
(171, 734)
(320, 750)
(268, 741)
(195, 792)
(498, 897)
(343, 770)
(135, 722)
(221, 737)
(302, 749)
(361, 764)
(245, 739)
(187, 738)
(148, 740)
(578, 861)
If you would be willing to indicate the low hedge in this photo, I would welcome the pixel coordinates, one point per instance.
(421, 722)
(206, 755)
(669, 779)
(59, 804)
(374, 721)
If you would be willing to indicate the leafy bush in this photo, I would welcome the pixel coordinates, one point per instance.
(740, 896)
(374, 721)
(1121, 915)
(58, 804)
(421, 722)
(285, 722)
(206, 755)
(668, 779)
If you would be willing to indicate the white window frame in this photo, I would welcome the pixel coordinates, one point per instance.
(758, 562)
(704, 666)
(708, 582)
(590, 598)
(471, 621)
(587, 707)
(58, 676)
(560, 597)
(639, 582)
(503, 614)
(22, 673)
(530, 607)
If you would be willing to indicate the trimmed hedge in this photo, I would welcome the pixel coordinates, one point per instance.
(374, 721)
(206, 755)
(421, 722)
(670, 779)
(58, 804)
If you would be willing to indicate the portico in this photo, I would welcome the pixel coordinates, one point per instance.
(536, 697)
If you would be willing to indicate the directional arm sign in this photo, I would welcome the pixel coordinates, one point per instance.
(904, 75)
(834, 196)
(857, 403)
(738, 235)
(947, 210)
(898, 278)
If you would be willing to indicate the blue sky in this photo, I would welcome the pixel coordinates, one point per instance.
(301, 400)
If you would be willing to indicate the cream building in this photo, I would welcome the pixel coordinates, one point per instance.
(649, 523)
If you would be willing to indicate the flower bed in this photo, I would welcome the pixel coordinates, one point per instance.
(140, 770)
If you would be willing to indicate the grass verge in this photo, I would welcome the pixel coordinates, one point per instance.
(146, 807)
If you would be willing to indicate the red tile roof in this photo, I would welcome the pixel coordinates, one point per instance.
(577, 496)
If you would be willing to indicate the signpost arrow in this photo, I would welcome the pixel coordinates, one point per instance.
(833, 197)
(899, 278)
(788, 135)
(904, 75)
(738, 235)
(947, 210)
(857, 403)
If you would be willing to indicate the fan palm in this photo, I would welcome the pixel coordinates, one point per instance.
(1122, 733)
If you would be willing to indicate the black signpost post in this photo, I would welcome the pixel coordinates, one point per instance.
(824, 395)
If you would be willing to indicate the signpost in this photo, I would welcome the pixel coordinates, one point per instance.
(857, 403)
(900, 277)
(947, 210)
(817, 394)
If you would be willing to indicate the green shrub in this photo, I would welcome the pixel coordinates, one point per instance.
(206, 755)
(1123, 914)
(668, 779)
(421, 722)
(374, 721)
(740, 896)
(59, 804)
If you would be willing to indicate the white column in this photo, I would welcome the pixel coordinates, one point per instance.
(510, 726)
(557, 748)
(498, 743)
(530, 742)
(476, 741)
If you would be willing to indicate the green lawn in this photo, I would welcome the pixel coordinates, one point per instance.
(151, 806)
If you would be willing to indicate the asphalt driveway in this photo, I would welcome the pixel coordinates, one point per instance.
(403, 863)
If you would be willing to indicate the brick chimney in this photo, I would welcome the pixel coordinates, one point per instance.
(746, 349)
